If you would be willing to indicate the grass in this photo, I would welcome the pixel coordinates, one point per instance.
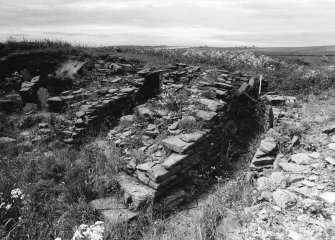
(57, 190)
(12, 45)
(210, 221)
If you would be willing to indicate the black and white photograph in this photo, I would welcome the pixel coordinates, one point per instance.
(167, 120)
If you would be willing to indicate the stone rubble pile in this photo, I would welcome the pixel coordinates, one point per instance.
(295, 186)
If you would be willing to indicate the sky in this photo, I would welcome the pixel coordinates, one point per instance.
(220, 23)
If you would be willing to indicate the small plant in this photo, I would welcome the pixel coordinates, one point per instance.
(189, 124)
(175, 101)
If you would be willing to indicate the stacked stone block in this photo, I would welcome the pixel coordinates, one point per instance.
(265, 155)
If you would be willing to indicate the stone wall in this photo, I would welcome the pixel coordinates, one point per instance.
(186, 127)
(111, 102)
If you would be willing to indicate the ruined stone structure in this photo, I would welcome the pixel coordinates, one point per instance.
(167, 123)
(184, 129)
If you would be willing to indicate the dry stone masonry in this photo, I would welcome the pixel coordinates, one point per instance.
(185, 128)
(116, 96)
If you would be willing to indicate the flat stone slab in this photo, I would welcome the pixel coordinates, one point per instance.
(113, 211)
(135, 191)
(106, 204)
(330, 160)
(55, 100)
(275, 99)
(127, 90)
(223, 85)
(305, 191)
(160, 185)
(176, 144)
(113, 90)
(254, 167)
(145, 166)
(302, 158)
(292, 167)
(174, 199)
(173, 160)
(69, 68)
(259, 153)
(242, 88)
(267, 160)
(158, 173)
(211, 104)
(328, 197)
(205, 115)
(308, 183)
(314, 155)
(191, 137)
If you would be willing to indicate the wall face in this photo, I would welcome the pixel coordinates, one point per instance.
(112, 101)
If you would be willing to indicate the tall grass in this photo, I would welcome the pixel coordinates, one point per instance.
(284, 77)
(16, 45)
(56, 190)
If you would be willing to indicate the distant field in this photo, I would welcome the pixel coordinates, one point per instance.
(305, 54)
(298, 51)
(289, 51)
(309, 55)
